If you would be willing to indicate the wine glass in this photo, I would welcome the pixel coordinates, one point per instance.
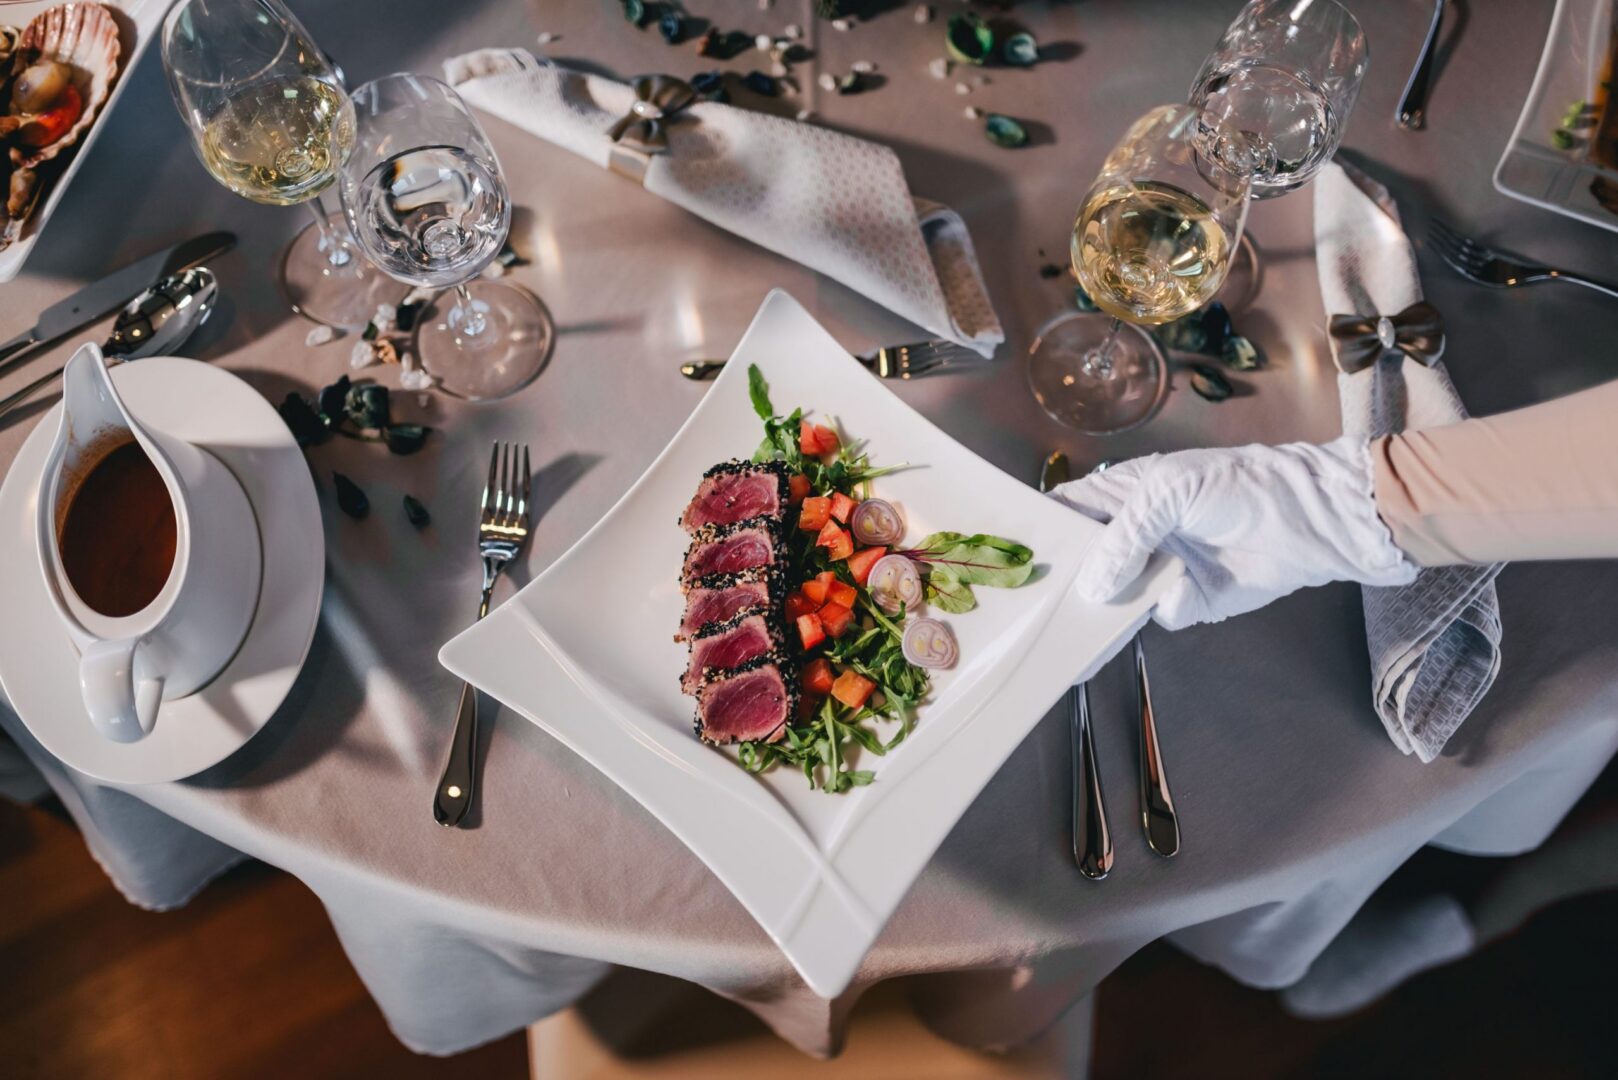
(270, 120)
(1277, 90)
(423, 195)
(1152, 242)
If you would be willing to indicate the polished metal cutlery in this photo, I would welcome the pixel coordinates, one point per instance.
(1157, 814)
(112, 292)
(1092, 842)
(1486, 266)
(502, 530)
(156, 321)
(1412, 110)
(893, 362)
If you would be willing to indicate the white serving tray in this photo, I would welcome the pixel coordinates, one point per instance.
(586, 652)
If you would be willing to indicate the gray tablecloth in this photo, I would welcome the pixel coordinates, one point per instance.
(1293, 805)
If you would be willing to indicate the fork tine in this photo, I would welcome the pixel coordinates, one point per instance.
(1461, 253)
(519, 487)
(508, 468)
(489, 490)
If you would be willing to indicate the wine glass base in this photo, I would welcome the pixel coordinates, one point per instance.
(1244, 279)
(1092, 398)
(506, 356)
(344, 297)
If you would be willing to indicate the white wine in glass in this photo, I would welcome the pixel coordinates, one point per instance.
(1153, 242)
(270, 120)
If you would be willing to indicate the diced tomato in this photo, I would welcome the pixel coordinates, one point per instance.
(817, 439)
(835, 619)
(797, 488)
(860, 563)
(842, 506)
(817, 587)
(815, 513)
(852, 688)
(817, 677)
(799, 604)
(835, 539)
(841, 592)
(810, 632)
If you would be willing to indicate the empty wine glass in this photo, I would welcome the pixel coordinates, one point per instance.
(1276, 92)
(270, 120)
(1153, 242)
(423, 194)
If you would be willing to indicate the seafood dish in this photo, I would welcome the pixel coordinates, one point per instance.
(56, 74)
(801, 602)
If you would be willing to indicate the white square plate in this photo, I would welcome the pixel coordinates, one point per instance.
(586, 652)
(138, 23)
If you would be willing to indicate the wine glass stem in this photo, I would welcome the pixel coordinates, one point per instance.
(472, 321)
(333, 243)
(1099, 362)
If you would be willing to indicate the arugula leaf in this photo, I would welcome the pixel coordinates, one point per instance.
(759, 391)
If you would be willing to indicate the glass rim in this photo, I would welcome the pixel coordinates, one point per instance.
(1295, 5)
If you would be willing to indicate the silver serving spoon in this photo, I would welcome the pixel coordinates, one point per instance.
(155, 322)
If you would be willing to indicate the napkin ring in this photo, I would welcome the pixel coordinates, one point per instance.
(642, 131)
(1362, 340)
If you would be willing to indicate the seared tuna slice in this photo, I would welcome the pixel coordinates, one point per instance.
(729, 549)
(722, 597)
(729, 645)
(735, 491)
(750, 704)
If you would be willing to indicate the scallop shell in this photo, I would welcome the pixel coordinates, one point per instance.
(84, 37)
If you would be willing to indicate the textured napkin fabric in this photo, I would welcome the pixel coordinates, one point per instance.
(1435, 643)
(837, 204)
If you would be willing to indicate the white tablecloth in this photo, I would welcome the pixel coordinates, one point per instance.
(1293, 806)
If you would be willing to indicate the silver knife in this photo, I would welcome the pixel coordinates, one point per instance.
(101, 298)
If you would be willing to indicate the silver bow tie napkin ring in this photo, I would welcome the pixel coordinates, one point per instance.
(642, 131)
(1361, 340)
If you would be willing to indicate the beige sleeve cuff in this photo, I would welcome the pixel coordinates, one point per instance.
(1537, 483)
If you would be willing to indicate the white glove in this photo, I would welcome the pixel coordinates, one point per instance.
(1252, 524)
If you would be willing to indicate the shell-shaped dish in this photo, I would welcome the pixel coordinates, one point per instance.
(85, 38)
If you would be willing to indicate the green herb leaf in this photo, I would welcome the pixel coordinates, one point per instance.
(980, 559)
(759, 391)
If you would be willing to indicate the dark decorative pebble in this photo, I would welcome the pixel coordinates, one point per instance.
(1003, 131)
(367, 405)
(710, 86)
(406, 316)
(1050, 270)
(370, 332)
(405, 438)
(1020, 50)
(350, 499)
(1240, 353)
(1082, 301)
(635, 11)
(761, 84)
(332, 398)
(304, 423)
(1210, 382)
(1216, 324)
(671, 24)
(416, 512)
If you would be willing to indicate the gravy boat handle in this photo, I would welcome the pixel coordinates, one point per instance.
(122, 707)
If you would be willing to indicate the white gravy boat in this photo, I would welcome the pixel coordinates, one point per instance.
(183, 638)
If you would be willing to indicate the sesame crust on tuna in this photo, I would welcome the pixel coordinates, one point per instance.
(710, 534)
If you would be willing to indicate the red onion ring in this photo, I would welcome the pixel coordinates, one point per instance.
(877, 521)
(928, 643)
(895, 583)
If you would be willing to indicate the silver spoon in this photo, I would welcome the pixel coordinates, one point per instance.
(1092, 841)
(156, 321)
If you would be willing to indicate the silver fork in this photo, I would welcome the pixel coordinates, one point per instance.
(1486, 266)
(502, 530)
(892, 362)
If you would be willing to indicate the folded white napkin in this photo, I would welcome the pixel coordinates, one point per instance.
(1435, 643)
(837, 204)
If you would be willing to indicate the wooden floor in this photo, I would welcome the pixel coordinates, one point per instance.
(248, 981)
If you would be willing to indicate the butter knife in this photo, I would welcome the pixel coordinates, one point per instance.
(103, 297)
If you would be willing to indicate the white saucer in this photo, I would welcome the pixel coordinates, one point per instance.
(38, 663)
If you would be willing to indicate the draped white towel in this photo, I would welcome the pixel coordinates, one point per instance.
(1435, 643)
(835, 203)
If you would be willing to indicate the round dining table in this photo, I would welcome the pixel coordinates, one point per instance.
(1294, 806)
